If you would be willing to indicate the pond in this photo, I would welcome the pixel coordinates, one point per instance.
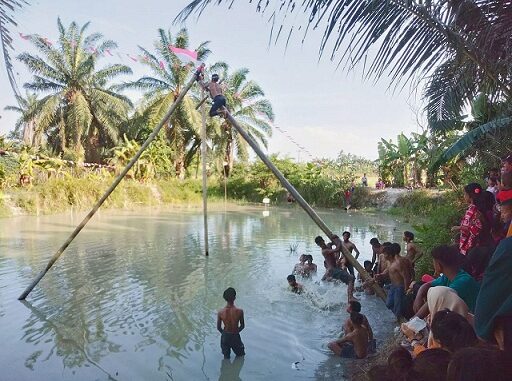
(135, 298)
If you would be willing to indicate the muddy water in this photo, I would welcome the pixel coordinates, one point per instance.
(134, 298)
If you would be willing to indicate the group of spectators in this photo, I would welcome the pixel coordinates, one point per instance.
(460, 323)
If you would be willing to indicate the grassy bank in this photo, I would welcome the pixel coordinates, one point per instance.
(62, 194)
(432, 215)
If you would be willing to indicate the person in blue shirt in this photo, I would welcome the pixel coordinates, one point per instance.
(447, 262)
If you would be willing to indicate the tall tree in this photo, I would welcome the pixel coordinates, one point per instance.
(79, 111)
(7, 8)
(26, 127)
(161, 90)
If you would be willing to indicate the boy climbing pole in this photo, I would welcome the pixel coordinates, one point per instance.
(216, 92)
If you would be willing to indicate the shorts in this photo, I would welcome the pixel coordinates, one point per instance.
(372, 346)
(396, 299)
(218, 102)
(231, 341)
(342, 275)
(347, 351)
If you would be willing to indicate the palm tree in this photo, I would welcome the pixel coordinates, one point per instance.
(7, 7)
(246, 102)
(79, 112)
(25, 128)
(461, 48)
(411, 36)
(160, 91)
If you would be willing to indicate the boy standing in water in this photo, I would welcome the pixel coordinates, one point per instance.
(233, 319)
(400, 274)
(351, 247)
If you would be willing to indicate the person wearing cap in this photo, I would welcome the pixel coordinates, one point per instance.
(216, 92)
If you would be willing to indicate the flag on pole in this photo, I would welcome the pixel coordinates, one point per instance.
(25, 37)
(184, 55)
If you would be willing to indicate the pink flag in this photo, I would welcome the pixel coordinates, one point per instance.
(162, 66)
(132, 58)
(108, 52)
(184, 55)
(25, 37)
(47, 42)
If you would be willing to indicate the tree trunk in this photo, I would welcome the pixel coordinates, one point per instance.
(28, 132)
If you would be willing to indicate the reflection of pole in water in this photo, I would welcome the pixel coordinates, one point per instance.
(41, 316)
(205, 189)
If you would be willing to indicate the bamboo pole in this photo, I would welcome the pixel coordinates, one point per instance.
(205, 189)
(303, 203)
(116, 182)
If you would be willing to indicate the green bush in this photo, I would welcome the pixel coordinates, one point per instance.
(432, 216)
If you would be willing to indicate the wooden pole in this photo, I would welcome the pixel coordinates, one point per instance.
(116, 182)
(303, 203)
(205, 188)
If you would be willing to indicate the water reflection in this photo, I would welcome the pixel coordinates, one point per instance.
(230, 370)
(135, 298)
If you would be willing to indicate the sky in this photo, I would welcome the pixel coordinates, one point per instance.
(322, 109)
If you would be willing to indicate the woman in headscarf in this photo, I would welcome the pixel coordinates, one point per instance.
(440, 298)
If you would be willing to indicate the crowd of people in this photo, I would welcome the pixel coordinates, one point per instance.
(457, 322)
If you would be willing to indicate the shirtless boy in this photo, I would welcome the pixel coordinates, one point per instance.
(413, 253)
(295, 287)
(354, 306)
(355, 343)
(332, 271)
(376, 251)
(216, 92)
(233, 319)
(350, 247)
(300, 268)
(400, 274)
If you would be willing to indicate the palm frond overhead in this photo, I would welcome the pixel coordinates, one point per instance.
(7, 9)
(468, 140)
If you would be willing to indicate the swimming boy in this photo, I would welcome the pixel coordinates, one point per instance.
(350, 247)
(295, 287)
(353, 344)
(400, 274)
(233, 319)
(413, 253)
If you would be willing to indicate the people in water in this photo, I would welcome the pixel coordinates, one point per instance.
(332, 269)
(232, 318)
(355, 306)
(305, 267)
(353, 344)
(294, 285)
(400, 273)
(350, 247)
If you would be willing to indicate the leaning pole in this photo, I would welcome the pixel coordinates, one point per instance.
(205, 187)
(116, 182)
(303, 203)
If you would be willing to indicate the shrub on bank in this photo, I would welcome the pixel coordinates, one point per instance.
(58, 195)
(432, 215)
